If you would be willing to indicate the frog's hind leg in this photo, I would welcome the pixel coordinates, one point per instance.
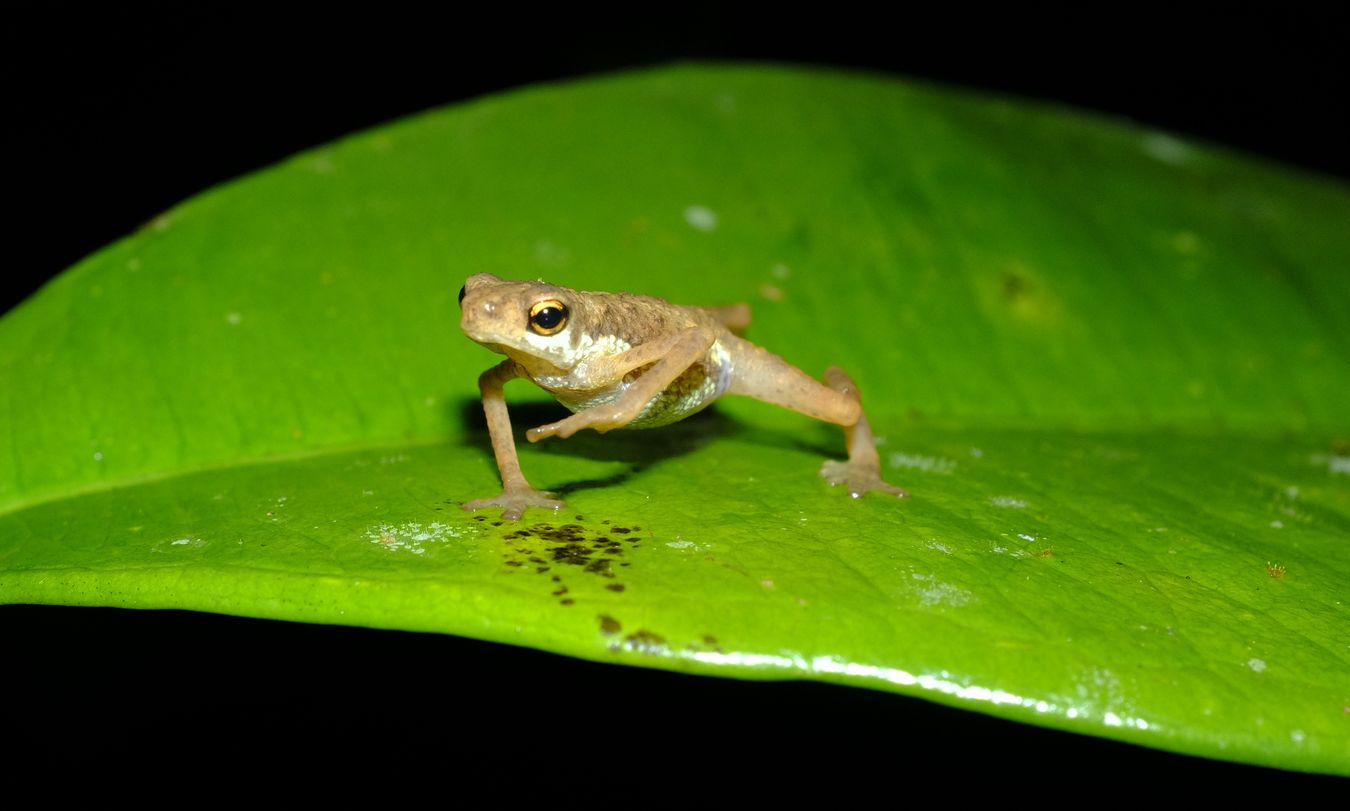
(862, 471)
(765, 376)
(735, 318)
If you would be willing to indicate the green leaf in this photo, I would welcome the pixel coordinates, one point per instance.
(1110, 365)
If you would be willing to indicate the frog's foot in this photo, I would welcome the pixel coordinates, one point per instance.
(601, 418)
(860, 477)
(516, 501)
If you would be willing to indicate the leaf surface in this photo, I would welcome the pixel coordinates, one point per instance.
(1110, 365)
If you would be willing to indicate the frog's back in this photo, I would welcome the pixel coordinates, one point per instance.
(635, 319)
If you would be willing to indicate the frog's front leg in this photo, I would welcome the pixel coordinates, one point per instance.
(765, 376)
(671, 356)
(517, 494)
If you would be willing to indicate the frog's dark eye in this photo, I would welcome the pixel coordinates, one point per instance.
(462, 291)
(548, 317)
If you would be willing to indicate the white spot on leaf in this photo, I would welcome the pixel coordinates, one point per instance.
(936, 592)
(411, 536)
(1167, 149)
(174, 544)
(701, 217)
(927, 464)
(681, 543)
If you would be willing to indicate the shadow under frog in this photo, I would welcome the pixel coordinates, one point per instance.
(637, 449)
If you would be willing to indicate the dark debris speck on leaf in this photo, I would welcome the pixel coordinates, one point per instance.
(545, 548)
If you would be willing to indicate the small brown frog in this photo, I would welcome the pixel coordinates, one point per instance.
(618, 360)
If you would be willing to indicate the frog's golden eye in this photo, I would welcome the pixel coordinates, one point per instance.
(548, 317)
(462, 291)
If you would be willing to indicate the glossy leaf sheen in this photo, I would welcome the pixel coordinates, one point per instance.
(1111, 366)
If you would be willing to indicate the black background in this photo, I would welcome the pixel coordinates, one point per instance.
(115, 115)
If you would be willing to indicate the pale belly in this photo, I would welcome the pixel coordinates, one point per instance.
(692, 391)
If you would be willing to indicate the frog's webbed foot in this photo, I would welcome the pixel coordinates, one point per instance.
(860, 477)
(601, 418)
(515, 501)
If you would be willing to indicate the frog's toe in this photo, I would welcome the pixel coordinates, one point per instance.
(514, 503)
(542, 432)
(561, 429)
(859, 478)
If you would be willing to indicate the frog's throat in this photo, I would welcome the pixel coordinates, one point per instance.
(533, 365)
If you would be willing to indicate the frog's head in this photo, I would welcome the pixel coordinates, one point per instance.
(536, 324)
